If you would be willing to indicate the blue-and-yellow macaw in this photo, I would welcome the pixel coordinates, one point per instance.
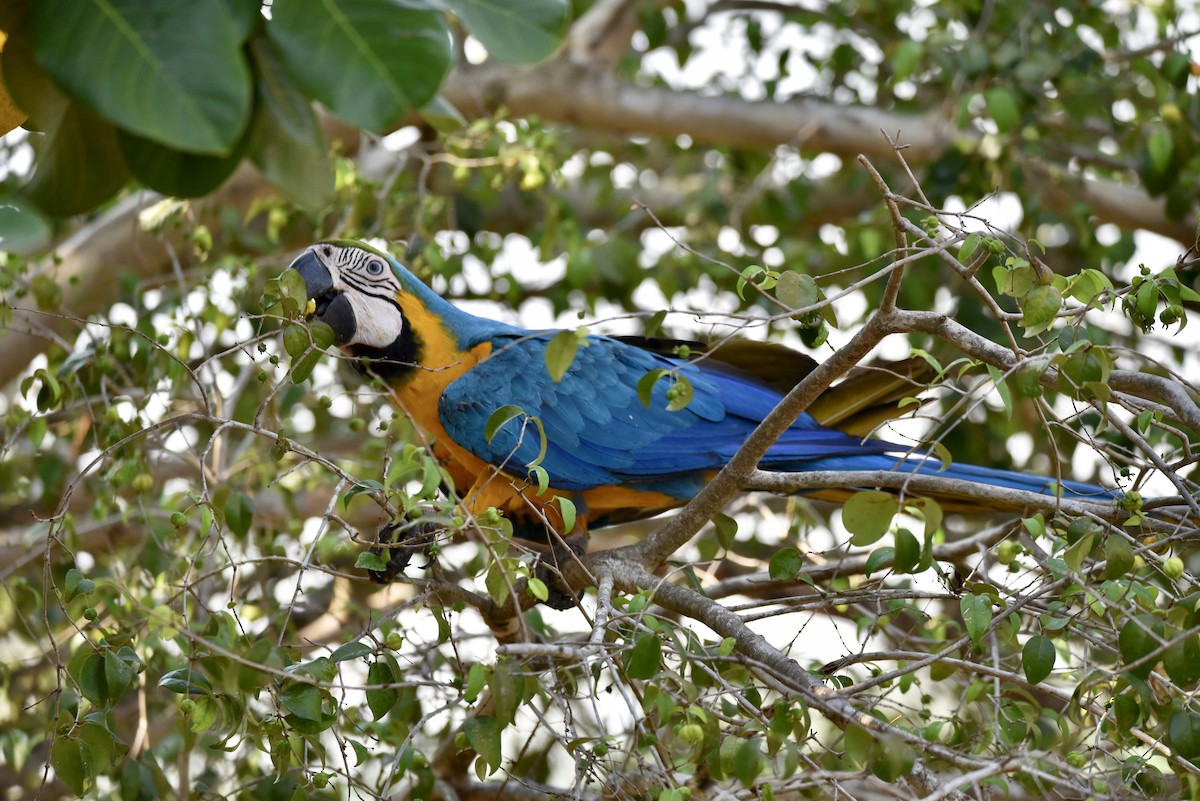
(615, 457)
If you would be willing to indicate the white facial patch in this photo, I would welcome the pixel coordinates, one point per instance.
(378, 322)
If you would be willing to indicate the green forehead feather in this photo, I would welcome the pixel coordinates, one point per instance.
(354, 243)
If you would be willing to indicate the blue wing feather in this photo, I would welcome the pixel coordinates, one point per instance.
(599, 433)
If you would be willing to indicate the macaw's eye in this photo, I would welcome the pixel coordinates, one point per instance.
(375, 268)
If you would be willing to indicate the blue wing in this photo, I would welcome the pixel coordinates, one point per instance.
(599, 433)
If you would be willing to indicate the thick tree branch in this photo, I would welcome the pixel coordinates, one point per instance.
(566, 92)
(581, 94)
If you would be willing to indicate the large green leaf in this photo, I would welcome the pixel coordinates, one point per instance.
(287, 143)
(22, 227)
(516, 31)
(369, 61)
(79, 164)
(171, 71)
(174, 172)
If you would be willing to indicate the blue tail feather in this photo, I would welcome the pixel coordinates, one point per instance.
(990, 476)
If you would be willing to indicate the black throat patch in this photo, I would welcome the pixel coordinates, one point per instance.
(394, 363)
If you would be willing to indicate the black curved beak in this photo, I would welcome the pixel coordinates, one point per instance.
(332, 306)
(317, 280)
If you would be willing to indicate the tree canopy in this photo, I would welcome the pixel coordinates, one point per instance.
(191, 481)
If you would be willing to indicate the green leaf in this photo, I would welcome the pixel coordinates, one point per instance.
(868, 514)
(538, 588)
(381, 701)
(351, 650)
(1182, 662)
(859, 744)
(535, 463)
(477, 676)
(178, 173)
(1088, 285)
(797, 290)
(203, 714)
(302, 700)
(908, 551)
(442, 116)
(1001, 389)
(369, 560)
(1158, 148)
(1183, 734)
(1138, 637)
(484, 736)
(879, 557)
(1002, 108)
(23, 229)
(239, 513)
(362, 488)
(1126, 711)
(726, 528)
(966, 252)
(119, 672)
(1037, 658)
(370, 62)
(515, 31)
(101, 749)
(171, 71)
(560, 353)
(92, 682)
(747, 761)
(785, 564)
(1118, 556)
(977, 615)
(286, 142)
(1014, 281)
(904, 60)
(645, 658)
(1039, 307)
(645, 385)
(498, 418)
(69, 765)
(185, 681)
(893, 759)
(79, 163)
(321, 333)
(75, 584)
(507, 691)
(1146, 301)
(295, 340)
(569, 513)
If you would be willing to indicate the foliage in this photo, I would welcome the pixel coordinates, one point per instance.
(190, 482)
(174, 96)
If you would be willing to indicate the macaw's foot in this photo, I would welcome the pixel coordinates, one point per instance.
(398, 543)
(553, 564)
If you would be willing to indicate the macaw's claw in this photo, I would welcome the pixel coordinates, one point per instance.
(398, 543)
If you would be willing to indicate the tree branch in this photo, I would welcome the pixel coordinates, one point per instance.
(565, 92)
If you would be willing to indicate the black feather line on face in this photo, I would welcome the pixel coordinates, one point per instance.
(394, 363)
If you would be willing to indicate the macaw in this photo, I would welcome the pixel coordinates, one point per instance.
(612, 455)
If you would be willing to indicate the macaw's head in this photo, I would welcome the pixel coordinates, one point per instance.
(357, 293)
